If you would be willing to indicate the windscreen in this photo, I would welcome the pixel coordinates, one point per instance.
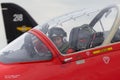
(26, 48)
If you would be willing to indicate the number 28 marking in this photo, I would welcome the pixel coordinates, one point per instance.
(17, 17)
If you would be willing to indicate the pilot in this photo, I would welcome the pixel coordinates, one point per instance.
(58, 36)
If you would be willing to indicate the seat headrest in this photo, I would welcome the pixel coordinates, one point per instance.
(78, 34)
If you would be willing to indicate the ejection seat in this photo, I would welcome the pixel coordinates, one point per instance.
(84, 37)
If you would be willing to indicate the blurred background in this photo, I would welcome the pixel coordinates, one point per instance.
(44, 10)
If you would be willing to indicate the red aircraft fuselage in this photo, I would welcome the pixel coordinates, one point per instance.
(98, 63)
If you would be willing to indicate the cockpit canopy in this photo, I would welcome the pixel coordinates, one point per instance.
(98, 24)
(82, 29)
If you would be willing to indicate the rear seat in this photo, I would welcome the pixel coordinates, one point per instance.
(84, 37)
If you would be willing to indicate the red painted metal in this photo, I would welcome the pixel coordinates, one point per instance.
(100, 63)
